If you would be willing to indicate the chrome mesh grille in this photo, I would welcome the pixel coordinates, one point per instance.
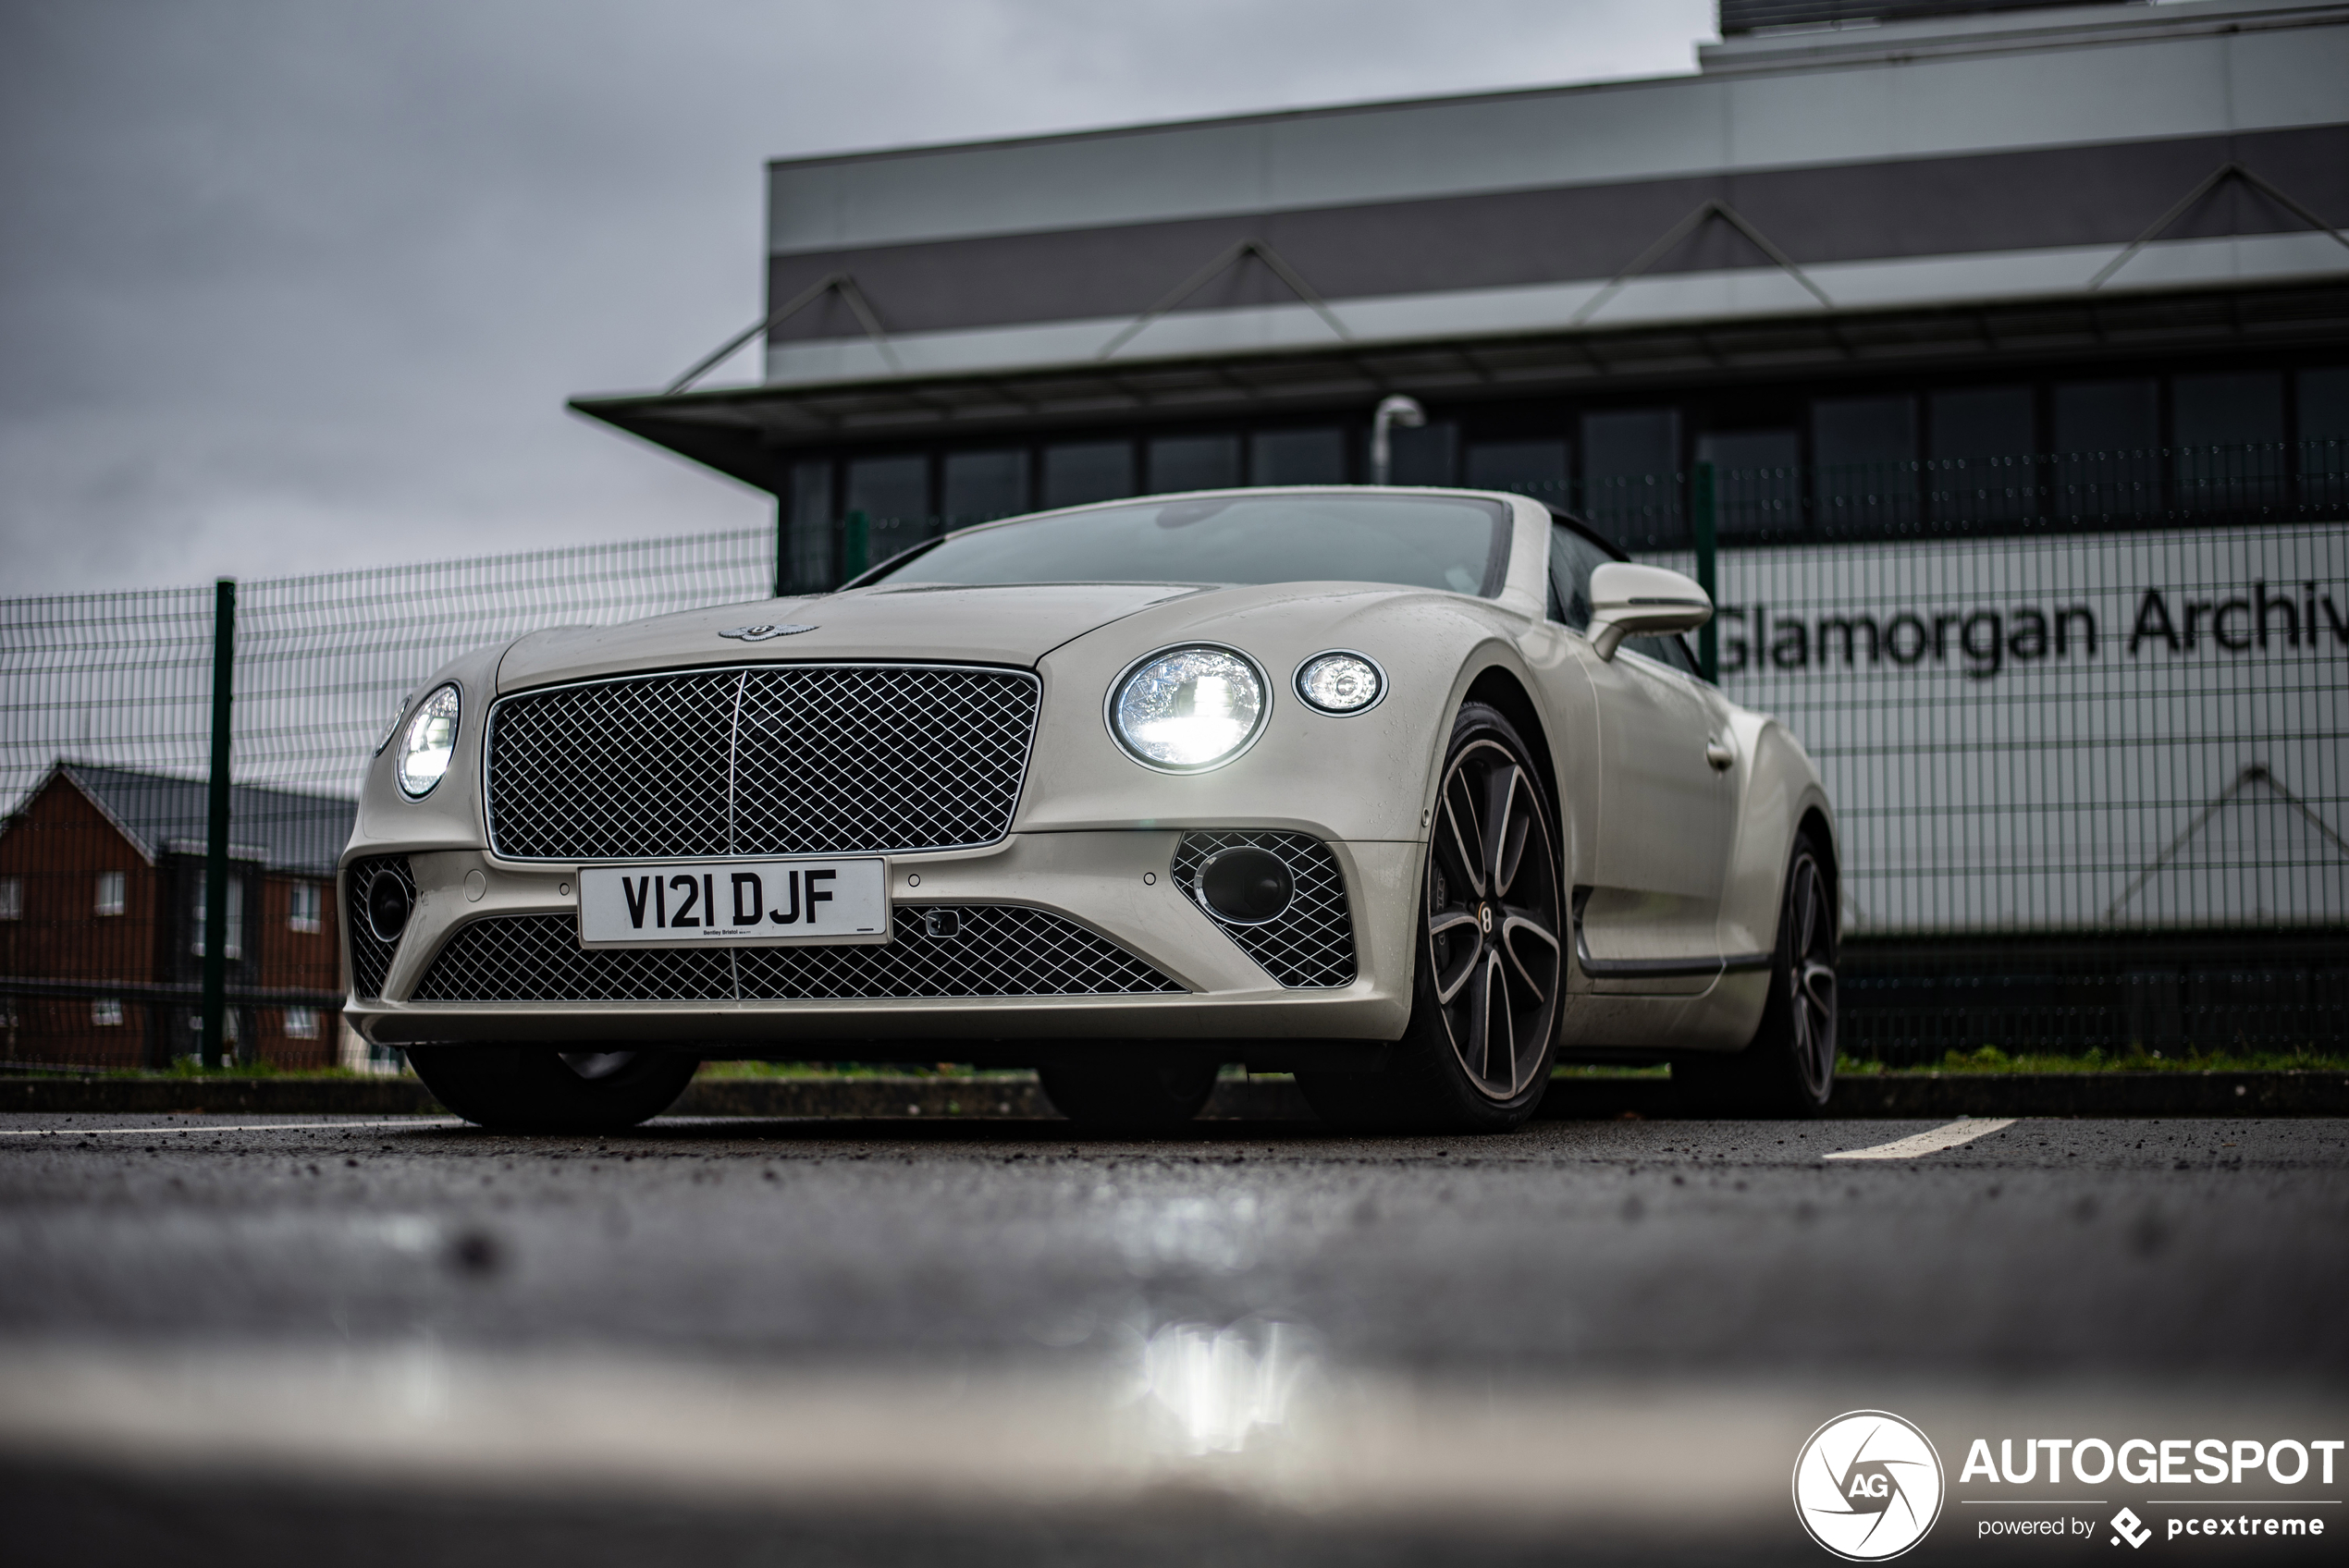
(1311, 944)
(998, 950)
(370, 954)
(771, 760)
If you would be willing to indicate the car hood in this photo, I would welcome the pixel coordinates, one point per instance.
(1011, 625)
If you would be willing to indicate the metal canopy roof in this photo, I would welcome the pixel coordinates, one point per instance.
(750, 432)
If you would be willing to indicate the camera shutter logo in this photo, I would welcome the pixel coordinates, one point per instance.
(1867, 1485)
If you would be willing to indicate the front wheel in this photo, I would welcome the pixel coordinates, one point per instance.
(1789, 1068)
(1490, 964)
(539, 1089)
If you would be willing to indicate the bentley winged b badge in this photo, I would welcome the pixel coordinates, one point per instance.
(762, 633)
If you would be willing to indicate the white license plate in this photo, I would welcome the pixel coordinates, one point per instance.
(733, 903)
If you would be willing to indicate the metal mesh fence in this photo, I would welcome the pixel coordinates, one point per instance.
(2084, 720)
(104, 747)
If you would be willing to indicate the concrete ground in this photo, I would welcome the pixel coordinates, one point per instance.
(724, 1341)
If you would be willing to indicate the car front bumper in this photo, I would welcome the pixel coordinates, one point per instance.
(1118, 887)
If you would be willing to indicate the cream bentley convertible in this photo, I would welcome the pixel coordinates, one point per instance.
(1408, 792)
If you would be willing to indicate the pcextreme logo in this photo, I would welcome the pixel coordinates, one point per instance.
(1867, 1485)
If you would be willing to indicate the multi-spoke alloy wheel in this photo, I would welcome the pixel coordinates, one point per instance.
(1493, 948)
(1788, 1070)
(1491, 963)
(1810, 914)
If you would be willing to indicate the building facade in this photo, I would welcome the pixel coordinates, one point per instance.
(2009, 341)
(102, 922)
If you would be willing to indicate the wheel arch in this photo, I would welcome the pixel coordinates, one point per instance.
(1498, 688)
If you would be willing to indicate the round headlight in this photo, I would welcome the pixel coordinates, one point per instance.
(1188, 709)
(428, 743)
(1340, 683)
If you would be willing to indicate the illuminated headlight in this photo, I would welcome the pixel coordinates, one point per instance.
(428, 743)
(1188, 709)
(1340, 683)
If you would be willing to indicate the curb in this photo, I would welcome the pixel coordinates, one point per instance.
(1920, 1095)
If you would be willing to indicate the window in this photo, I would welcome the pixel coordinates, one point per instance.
(1426, 454)
(1088, 471)
(2324, 435)
(1631, 476)
(1441, 542)
(1530, 468)
(2229, 430)
(301, 1023)
(105, 1012)
(2106, 432)
(1981, 439)
(1756, 480)
(1864, 450)
(302, 906)
(1298, 457)
(110, 892)
(1195, 462)
(889, 488)
(235, 945)
(980, 486)
(11, 898)
(811, 527)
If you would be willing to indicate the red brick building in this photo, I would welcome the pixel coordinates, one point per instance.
(102, 921)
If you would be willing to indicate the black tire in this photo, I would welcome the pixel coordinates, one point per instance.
(1129, 1096)
(1788, 1070)
(539, 1089)
(1490, 950)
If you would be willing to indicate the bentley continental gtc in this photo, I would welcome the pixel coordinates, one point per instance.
(1409, 793)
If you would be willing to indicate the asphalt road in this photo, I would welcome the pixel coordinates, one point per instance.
(884, 1342)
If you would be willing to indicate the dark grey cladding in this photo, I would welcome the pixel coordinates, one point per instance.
(2104, 194)
(1750, 15)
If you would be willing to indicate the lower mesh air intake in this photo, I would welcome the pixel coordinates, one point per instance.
(940, 951)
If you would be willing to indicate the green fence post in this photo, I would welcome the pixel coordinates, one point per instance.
(215, 873)
(856, 546)
(1708, 638)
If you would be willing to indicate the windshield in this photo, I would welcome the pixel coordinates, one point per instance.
(1446, 541)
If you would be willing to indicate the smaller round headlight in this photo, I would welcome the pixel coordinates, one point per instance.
(1185, 710)
(1340, 683)
(428, 743)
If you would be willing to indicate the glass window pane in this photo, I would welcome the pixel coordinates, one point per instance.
(980, 486)
(1864, 452)
(1757, 480)
(2324, 436)
(1982, 439)
(810, 542)
(1632, 476)
(1426, 454)
(1449, 543)
(1086, 472)
(1195, 462)
(1572, 559)
(1530, 468)
(893, 494)
(2106, 436)
(1298, 457)
(2230, 453)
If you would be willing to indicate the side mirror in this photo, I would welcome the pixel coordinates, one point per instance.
(1641, 601)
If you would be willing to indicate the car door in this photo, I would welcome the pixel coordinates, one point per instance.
(1647, 919)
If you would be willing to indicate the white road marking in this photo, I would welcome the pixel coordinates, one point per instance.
(1963, 1131)
(202, 1127)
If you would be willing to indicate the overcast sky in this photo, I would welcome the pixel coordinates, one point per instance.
(289, 286)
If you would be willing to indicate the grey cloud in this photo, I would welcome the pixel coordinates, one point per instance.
(289, 285)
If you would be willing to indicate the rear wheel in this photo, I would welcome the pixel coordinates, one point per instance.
(1789, 1068)
(539, 1089)
(1476, 1054)
(1128, 1097)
